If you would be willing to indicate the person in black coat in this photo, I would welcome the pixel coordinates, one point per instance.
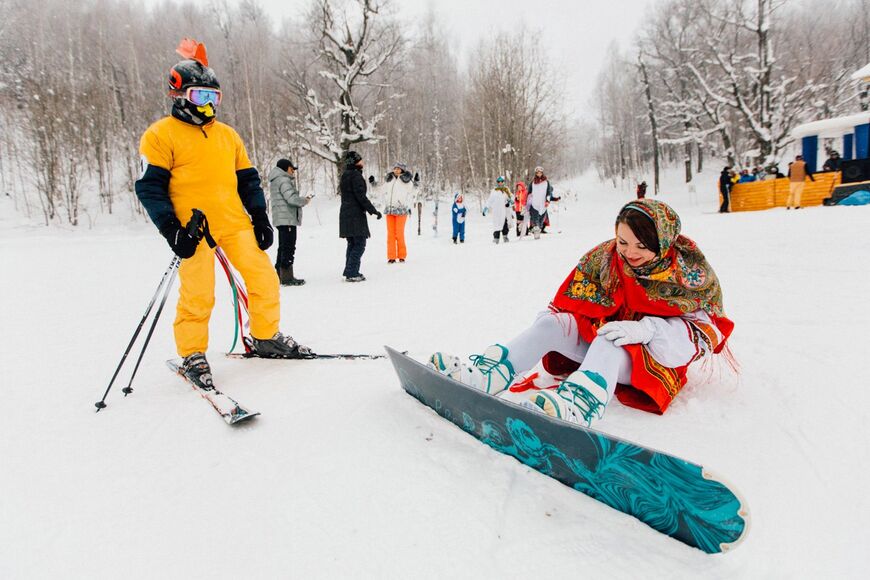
(833, 163)
(352, 222)
(725, 189)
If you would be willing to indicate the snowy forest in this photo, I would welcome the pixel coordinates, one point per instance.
(727, 80)
(705, 79)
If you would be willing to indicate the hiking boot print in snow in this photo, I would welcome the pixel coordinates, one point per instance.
(579, 399)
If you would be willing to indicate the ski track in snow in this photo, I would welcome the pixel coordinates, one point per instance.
(344, 475)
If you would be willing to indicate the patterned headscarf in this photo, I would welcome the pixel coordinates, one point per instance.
(677, 281)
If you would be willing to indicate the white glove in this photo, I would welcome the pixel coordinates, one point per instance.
(624, 332)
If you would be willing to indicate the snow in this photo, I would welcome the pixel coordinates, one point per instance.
(344, 475)
(835, 127)
(862, 74)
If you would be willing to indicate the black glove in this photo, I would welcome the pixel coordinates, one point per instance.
(372, 179)
(262, 230)
(182, 243)
(379, 214)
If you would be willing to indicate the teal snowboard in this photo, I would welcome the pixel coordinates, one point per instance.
(673, 496)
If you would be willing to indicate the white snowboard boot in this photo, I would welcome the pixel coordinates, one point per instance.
(579, 399)
(490, 372)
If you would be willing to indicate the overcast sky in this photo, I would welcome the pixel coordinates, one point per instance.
(575, 33)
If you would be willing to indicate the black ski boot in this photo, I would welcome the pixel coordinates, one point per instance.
(196, 369)
(280, 346)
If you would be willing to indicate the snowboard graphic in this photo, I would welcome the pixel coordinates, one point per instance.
(673, 496)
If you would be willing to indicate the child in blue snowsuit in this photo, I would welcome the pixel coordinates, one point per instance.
(458, 218)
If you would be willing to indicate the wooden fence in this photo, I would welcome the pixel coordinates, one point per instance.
(758, 195)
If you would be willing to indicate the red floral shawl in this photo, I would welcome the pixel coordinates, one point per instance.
(679, 280)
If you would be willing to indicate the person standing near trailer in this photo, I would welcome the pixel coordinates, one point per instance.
(797, 176)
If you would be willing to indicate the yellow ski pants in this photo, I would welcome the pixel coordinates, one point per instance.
(196, 295)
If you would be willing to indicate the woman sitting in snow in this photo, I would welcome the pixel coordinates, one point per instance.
(628, 321)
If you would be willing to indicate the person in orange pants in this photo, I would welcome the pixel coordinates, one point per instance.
(191, 160)
(396, 248)
(397, 194)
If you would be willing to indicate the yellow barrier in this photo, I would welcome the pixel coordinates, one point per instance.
(758, 195)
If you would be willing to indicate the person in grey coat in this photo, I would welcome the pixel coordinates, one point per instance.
(287, 204)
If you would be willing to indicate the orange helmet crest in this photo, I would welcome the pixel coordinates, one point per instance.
(189, 48)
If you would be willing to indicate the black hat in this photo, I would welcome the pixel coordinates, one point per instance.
(285, 163)
(352, 158)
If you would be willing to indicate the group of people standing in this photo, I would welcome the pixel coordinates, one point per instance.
(798, 172)
(398, 193)
(528, 204)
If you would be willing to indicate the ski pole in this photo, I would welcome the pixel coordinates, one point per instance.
(173, 265)
(129, 388)
(196, 227)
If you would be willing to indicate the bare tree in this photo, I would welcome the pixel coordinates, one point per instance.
(349, 55)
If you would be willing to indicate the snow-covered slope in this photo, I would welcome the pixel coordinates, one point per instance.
(346, 476)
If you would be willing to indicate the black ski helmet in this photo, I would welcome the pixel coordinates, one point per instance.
(190, 73)
(193, 71)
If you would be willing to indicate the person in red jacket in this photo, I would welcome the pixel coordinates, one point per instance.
(521, 210)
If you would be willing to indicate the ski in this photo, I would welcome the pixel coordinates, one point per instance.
(228, 408)
(345, 356)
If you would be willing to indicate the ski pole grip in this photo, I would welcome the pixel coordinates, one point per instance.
(194, 226)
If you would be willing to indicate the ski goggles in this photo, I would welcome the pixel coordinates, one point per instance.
(201, 96)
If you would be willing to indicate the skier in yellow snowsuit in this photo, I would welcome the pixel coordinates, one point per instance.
(191, 160)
